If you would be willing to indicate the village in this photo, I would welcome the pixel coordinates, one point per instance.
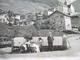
(50, 30)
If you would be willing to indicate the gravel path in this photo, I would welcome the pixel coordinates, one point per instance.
(71, 52)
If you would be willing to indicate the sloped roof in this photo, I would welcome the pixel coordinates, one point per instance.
(59, 12)
(2, 13)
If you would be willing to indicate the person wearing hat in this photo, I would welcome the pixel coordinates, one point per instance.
(50, 41)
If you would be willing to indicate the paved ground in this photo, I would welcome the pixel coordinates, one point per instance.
(74, 51)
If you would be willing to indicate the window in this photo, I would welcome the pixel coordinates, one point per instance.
(4, 39)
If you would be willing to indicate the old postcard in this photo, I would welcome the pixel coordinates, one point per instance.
(48, 29)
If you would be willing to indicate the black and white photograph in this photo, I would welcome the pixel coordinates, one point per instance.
(48, 29)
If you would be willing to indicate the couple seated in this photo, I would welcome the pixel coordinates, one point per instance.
(31, 46)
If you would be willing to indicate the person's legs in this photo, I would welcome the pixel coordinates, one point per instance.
(40, 48)
(22, 49)
(50, 47)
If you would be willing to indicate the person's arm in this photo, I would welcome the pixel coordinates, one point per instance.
(48, 38)
(52, 38)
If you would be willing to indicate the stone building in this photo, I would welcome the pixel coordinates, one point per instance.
(60, 22)
(57, 22)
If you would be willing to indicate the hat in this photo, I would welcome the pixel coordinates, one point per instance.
(40, 38)
(50, 33)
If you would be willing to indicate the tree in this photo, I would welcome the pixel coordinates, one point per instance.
(79, 28)
(10, 14)
(45, 14)
(47, 24)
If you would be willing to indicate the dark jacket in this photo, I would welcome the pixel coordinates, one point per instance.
(50, 39)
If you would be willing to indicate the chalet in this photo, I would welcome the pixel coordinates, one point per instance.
(17, 18)
(12, 19)
(30, 16)
(4, 18)
(22, 22)
(39, 16)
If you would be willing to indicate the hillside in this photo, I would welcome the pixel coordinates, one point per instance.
(25, 6)
(6, 30)
(3, 28)
(27, 31)
(22, 6)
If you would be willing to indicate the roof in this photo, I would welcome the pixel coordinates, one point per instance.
(1, 13)
(17, 14)
(20, 38)
(59, 12)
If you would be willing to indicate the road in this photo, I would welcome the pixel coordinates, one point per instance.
(74, 51)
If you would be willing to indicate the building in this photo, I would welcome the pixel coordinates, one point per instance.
(17, 18)
(39, 16)
(61, 20)
(12, 19)
(57, 22)
(67, 7)
(4, 18)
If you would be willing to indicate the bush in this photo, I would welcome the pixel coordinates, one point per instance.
(79, 28)
(44, 25)
(10, 24)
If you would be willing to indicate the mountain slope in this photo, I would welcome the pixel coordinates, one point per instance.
(21, 6)
(24, 6)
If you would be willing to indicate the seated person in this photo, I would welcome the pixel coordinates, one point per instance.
(34, 47)
(40, 41)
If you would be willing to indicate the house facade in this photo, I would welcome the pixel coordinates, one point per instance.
(4, 18)
(18, 20)
(60, 22)
(57, 22)
(67, 7)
